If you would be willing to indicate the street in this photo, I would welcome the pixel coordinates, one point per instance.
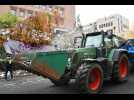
(33, 84)
(63, 41)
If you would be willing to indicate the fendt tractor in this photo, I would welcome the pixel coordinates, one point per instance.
(98, 58)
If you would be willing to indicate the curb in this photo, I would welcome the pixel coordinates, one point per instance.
(20, 75)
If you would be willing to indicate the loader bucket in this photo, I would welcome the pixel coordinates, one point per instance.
(50, 64)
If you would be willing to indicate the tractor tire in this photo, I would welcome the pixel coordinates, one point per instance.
(60, 82)
(121, 69)
(90, 79)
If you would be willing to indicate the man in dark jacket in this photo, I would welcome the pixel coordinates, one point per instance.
(8, 68)
(8, 61)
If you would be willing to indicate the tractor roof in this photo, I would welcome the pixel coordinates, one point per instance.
(93, 33)
(98, 33)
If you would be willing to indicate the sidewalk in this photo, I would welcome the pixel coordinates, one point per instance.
(19, 73)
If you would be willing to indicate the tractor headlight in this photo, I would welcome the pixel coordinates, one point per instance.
(81, 67)
(69, 63)
(69, 59)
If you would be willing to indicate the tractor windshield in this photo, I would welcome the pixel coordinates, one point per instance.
(93, 41)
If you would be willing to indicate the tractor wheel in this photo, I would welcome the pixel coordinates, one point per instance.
(90, 79)
(121, 70)
(60, 82)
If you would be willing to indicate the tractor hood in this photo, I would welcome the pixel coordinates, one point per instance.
(82, 53)
(87, 52)
(91, 52)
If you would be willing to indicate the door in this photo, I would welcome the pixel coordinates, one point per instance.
(108, 46)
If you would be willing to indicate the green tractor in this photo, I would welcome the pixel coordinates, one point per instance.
(98, 58)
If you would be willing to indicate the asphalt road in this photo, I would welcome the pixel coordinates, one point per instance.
(38, 85)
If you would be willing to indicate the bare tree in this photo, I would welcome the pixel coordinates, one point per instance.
(63, 41)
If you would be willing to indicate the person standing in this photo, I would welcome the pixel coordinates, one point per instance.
(8, 59)
(8, 69)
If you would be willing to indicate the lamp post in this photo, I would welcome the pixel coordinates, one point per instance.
(114, 30)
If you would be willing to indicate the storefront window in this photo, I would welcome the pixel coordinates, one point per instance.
(43, 6)
(111, 23)
(36, 6)
(13, 10)
(62, 12)
(50, 8)
(29, 13)
(22, 13)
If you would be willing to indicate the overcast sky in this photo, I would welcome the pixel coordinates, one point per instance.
(89, 13)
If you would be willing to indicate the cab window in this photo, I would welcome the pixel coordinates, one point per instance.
(118, 41)
(108, 42)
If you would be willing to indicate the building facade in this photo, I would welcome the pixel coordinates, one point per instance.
(92, 27)
(67, 12)
(115, 23)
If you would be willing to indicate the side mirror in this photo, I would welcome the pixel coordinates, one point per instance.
(77, 41)
(74, 41)
(109, 34)
(102, 45)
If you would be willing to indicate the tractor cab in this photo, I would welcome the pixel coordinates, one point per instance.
(95, 39)
(101, 41)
